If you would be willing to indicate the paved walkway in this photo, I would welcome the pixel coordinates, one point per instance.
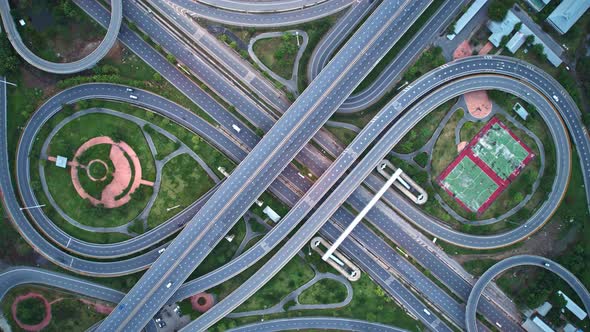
(159, 165)
(294, 296)
(291, 83)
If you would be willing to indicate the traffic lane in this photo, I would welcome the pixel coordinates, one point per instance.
(309, 323)
(23, 275)
(265, 7)
(500, 267)
(390, 75)
(330, 42)
(268, 20)
(63, 68)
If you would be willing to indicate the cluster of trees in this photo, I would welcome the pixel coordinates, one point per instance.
(499, 8)
(288, 47)
(10, 60)
(30, 311)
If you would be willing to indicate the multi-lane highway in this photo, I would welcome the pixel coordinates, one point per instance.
(263, 20)
(316, 323)
(367, 164)
(63, 68)
(503, 73)
(522, 260)
(262, 165)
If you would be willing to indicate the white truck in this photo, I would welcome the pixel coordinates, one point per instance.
(236, 128)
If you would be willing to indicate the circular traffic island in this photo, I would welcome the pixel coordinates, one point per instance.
(108, 176)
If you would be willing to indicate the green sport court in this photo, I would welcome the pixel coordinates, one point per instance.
(469, 184)
(500, 151)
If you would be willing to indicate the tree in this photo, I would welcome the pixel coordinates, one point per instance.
(171, 58)
(557, 300)
(10, 61)
(498, 9)
(157, 77)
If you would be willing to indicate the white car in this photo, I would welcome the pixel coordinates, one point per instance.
(168, 285)
(134, 97)
(556, 98)
(161, 250)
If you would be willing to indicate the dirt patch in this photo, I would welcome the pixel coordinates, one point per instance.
(98, 307)
(546, 242)
(33, 78)
(116, 52)
(478, 103)
(463, 50)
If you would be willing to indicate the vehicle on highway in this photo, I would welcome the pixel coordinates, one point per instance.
(129, 90)
(556, 98)
(547, 264)
(168, 285)
(161, 250)
(134, 97)
(236, 128)
(160, 322)
(427, 312)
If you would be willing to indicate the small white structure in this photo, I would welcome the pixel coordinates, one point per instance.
(230, 237)
(465, 18)
(542, 325)
(22, 22)
(271, 214)
(501, 29)
(61, 161)
(573, 307)
(544, 308)
(521, 111)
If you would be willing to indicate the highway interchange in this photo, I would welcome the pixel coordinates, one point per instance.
(406, 109)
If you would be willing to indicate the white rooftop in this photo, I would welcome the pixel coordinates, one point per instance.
(542, 325)
(573, 307)
(501, 29)
(544, 308)
(271, 214)
(61, 162)
(567, 13)
(466, 17)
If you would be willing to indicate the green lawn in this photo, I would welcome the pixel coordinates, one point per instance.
(164, 146)
(57, 30)
(423, 131)
(325, 291)
(278, 54)
(66, 142)
(445, 149)
(183, 182)
(291, 277)
(344, 135)
(368, 303)
(68, 314)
